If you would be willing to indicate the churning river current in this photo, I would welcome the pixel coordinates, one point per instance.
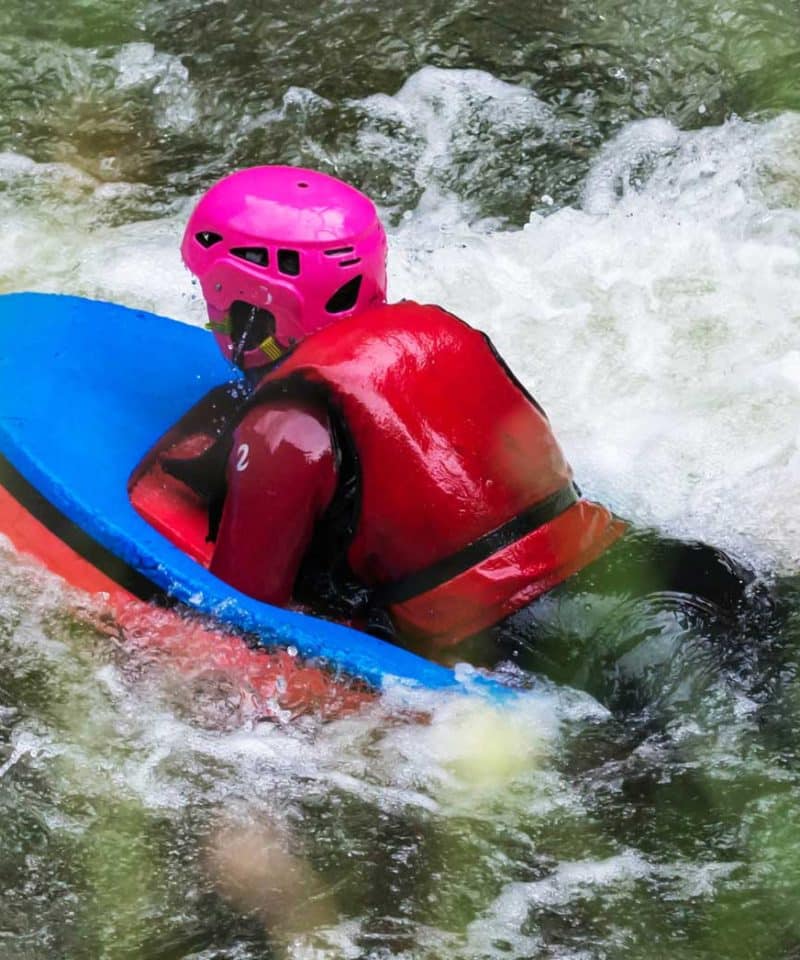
(612, 191)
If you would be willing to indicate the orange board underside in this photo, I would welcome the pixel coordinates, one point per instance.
(271, 680)
(32, 537)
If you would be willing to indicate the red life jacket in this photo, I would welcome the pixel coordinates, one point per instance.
(465, 509)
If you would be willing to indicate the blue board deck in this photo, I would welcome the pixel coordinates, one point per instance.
(86, 389)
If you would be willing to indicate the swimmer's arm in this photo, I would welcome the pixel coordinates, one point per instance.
(281, 476)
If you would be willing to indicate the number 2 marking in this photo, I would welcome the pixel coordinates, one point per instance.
(242, 456)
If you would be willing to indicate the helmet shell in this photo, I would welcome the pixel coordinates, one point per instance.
(302, 245)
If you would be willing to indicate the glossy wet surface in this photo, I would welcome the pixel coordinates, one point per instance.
(611, 190)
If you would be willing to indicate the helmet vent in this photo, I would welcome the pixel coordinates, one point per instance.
(345, 297)
(338, 251)
(289, 262)
(349, 263)
(257, 255)
(207, 238)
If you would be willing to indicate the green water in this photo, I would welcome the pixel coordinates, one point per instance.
(123, 784)
(267, 82)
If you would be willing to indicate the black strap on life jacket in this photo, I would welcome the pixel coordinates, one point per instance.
(479, 550)
(325, 574)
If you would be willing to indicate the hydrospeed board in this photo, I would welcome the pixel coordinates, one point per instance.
(86, 389)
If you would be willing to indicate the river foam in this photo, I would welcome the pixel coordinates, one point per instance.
(658, 323)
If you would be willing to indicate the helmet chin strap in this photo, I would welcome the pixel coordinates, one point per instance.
(271, 349)
(238, 346)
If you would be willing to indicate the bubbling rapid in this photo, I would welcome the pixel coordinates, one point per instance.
(657, 322)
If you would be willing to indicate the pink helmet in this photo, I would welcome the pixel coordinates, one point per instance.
(281, 252)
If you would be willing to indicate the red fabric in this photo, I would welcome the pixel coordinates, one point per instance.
(281, 476)
(169, 505)
(512, 577)
(449, 448)
(271, 507)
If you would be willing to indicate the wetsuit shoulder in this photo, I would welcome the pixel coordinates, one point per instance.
(281, 476)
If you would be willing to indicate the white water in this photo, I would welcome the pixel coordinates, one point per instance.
(659, 325)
